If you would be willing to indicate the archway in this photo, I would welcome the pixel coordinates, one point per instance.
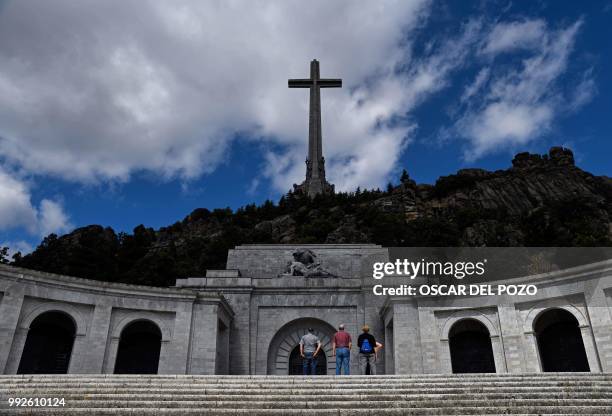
(284, 358)
(560, 342)
(296, 367)
(48, 346)
(139, 347)
(470, 347)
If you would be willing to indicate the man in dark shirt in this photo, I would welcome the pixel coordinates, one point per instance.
(368, 351)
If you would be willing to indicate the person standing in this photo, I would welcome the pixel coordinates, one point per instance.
(310, 345)
(368, 351)
(341, 348)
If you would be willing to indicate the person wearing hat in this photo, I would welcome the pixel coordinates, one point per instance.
(310, 345)
(368, 351)
(341, 348)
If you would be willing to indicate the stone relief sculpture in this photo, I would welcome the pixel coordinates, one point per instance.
(305, 264)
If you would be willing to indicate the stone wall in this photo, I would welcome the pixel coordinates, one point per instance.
(421, 325)
(101, 311)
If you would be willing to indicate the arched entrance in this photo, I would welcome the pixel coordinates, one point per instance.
(296, 367)
(139, 347)
(283, 353)
(48, 345)
(470, 347)
(560, 342)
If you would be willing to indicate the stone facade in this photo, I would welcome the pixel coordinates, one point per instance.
(248, 318)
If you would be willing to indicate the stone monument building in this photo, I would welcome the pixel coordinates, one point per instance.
(249, 317)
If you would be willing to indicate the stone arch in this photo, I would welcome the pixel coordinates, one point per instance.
(49, 344)
(470, 347)
(139, 348)
(288, 336)
(161, 322)
(534, 358)
(536, 312)
(560, 342)
(142, 316)
(72, 312)
(496, 339)
(468, 314)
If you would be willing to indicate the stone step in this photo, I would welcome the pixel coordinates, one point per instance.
(326, 396)
(356, 395)
(338, 381)
(288, 390)
(315, 403)
(291, 388)
(540, 410)
(221, 379)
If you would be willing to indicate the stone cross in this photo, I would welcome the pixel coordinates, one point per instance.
(315, 182)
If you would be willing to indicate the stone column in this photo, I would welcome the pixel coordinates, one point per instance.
(174, 356)
(446, 365)
(600, 316)
(512, 335)
(498, 354)
(204, 340)
(10, 309)
(78, 355)
(92, 357)
(407, 355)
(532, 353)
(589, 348)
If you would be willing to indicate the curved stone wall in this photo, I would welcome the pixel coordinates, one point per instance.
(101, 310)
(420, 326)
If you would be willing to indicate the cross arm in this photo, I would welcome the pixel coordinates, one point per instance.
(329, 83)
(300, 83)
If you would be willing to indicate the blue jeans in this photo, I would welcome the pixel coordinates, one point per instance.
(309, 361)
(343, 360)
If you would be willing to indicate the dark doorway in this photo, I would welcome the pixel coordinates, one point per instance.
(470, 347)
(48, 345)
(139, 347)
(296, 363)
(560, 342)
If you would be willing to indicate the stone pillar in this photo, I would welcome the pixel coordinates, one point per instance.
(92, 357)
(203, 354)
(111, 355)
(407, 354)
(446, 365)
(600, 317)
(78, 355)
(430, 342)
(532, 353)
(498, 354)
(10, 309)
(511, 333)
(389, 349)
(173, 357)
(589, 348)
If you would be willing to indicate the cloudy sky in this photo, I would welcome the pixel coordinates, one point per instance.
(127, 112)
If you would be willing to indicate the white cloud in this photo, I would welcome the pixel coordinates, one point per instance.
(517, 102)
(97, 91)
(506, 37)
(17, 246)
(16, 209)
(52, 218)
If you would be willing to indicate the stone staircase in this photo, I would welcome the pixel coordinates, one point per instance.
(474, 394)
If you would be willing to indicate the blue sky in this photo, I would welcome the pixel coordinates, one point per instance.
(138, 114)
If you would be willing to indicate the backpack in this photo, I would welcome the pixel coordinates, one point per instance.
(366, 348)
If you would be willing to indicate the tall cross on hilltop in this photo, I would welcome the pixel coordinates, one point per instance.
(315, 182)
